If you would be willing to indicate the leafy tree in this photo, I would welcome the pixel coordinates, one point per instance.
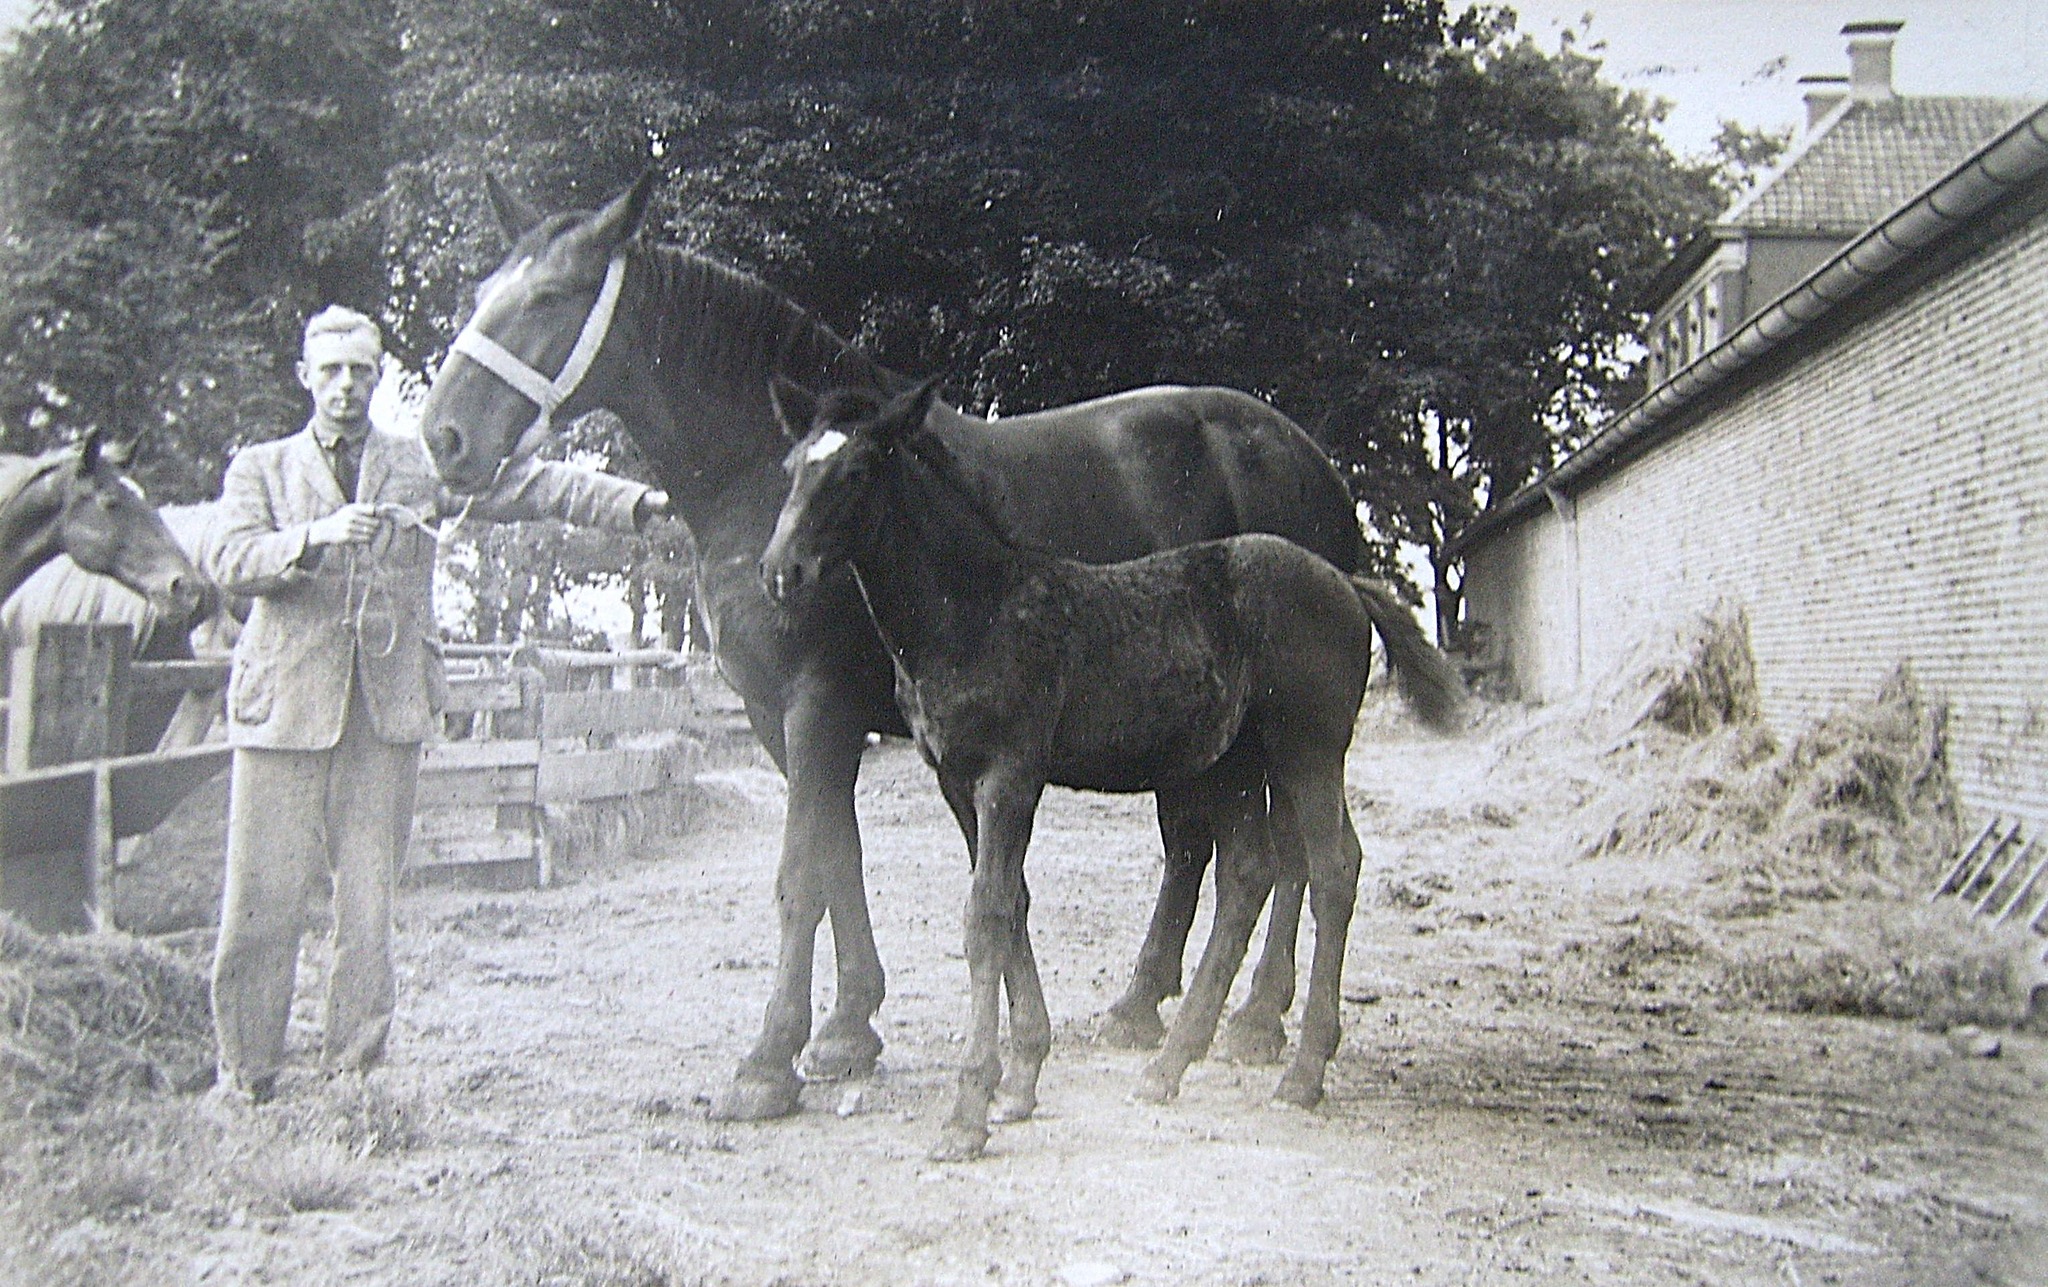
(183, 181)
(1418, 234)
(1421, 236)
(1494, 321)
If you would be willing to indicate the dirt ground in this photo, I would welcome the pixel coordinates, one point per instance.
(1543, 1079)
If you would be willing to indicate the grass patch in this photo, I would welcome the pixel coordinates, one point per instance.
(357, 1115)
(559, 1258)
(299, 1178)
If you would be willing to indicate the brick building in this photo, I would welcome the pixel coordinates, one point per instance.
(1860, 462)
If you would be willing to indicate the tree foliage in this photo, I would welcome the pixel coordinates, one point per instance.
(1419, 234)
(183, 181)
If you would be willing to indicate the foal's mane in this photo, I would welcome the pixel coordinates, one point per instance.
(727, 331)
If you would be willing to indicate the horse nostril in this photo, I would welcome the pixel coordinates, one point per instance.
(445, 442)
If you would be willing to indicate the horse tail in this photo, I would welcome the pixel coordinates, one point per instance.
(1426, 677)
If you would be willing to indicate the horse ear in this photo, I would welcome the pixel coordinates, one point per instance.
(795, 406)
(515, 217)
(906, 412)
(621, 219)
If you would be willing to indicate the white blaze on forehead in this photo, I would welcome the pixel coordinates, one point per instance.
(135, 487)
(825, 447)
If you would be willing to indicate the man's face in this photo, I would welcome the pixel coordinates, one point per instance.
(340, 370)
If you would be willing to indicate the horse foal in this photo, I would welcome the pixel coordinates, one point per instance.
(1210, 667)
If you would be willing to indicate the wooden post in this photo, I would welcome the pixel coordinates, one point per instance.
(70, 696)
(68, 701)
(99, 852)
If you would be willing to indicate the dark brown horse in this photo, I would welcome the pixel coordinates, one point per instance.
(579, 317)
(1200, 669)
(77, 501)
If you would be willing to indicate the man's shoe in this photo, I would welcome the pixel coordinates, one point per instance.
(235, 1090)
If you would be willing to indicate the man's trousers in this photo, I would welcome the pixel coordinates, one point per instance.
(295, 817)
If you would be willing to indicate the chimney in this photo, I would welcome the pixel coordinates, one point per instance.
(1823, 94)
(1870, 60)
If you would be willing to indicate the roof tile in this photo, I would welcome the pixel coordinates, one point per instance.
(1872, 159)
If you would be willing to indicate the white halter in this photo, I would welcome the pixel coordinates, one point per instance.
(545, 394)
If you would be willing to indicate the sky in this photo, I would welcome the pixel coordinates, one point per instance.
(1742, 59)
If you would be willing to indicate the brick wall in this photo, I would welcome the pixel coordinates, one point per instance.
(1882, 500)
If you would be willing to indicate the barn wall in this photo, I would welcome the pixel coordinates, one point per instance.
(1522, 585)
(1880, 501)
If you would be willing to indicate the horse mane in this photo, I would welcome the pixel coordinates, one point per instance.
(728, 331)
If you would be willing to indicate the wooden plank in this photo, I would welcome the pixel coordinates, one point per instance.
(449, 786)
(577, 659)
(489, 846)
(431, 826)
(613, 711)
(177, 676)
(601, 775)
(486, 692)
(478, 755)
(454, 649)
(148, 787)
(50, 809)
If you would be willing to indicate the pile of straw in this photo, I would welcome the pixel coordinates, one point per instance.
(86, 1017)
(1860, 805)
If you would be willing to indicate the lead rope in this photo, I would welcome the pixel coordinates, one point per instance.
(374, 581)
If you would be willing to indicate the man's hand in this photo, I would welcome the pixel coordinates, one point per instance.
(350, 525)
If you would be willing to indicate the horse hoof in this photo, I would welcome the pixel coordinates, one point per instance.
(1136, 1028)
(1254, 1041)
(756, 1099)
(1155, 1087)
(1299, 1092)
(959, 1144)
(841, 1058)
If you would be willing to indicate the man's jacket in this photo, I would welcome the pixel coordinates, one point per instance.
(324, 616)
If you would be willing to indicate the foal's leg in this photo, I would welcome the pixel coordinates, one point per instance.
(1244, 876)
(1185, 830)
(1030, 1024)
(1334, 859)
(1256, 1033)
(820, 866)
(1004, 805)
(848, 1046)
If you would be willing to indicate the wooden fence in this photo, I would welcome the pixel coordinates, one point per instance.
(543, 730)
(539, 731)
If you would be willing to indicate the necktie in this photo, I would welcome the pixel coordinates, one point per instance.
(348, 457)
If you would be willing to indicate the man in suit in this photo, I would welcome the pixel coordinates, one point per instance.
(337, 682)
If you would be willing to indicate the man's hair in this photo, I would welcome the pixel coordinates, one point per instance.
(336, 320)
